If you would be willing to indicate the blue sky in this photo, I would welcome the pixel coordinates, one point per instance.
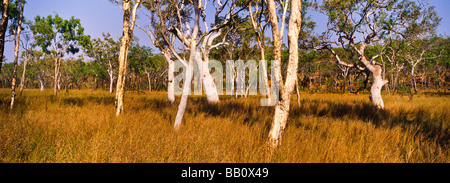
(99, 16)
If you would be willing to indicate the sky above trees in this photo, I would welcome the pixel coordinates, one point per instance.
(102, 16)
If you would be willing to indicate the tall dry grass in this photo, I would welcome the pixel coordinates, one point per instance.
(82, 127)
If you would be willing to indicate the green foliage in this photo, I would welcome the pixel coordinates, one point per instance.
(407, 18)
(104, 51)
(58, 36)
(139, 57)
(14, 15)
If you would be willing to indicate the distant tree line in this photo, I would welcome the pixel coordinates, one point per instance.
(148, 71)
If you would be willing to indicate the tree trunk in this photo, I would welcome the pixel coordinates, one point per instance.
(42, 82)
(282, 108)
(184, 97)
(298, 93)
(170, 86)
(413, 90)
(111, 82)
(3, 28)
(56, 77)
(124, 45)
(58, 86)
(16, 55)
(149, 81)
(208, 83)
(189, 69)
(22, 80)
(261, 48)
(375, 91)
(277, 41)
(378, 83)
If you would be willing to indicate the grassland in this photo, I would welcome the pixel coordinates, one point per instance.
(81, 127)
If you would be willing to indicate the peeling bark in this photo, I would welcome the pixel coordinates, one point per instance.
(282, 108)
(124, 45)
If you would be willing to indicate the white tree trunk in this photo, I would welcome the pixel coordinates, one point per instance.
(184, 97)
(22, 80)
(277, 40)
(124, 45)
(170, 85)
(16, 55)
(59, 79)
(111, 82)
(378, 83)
(208, 82)
(56, 77)
(263, 67)
(42, 82)
(282, 108)
(265, 79)
(189, 69)
(413, 81)
(375, 90)
(149, 82)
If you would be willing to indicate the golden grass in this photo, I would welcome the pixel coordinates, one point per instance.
(81, 127)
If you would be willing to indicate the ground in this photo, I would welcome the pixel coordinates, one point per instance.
(81, 126)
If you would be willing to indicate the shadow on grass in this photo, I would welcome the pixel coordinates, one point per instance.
(431, 126)
(81, 101)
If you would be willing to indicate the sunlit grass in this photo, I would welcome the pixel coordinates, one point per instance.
(81, 126)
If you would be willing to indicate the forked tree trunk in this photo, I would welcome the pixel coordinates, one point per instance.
(282, 108)
(189, 69)
(124, 45)
(378, 83)
(16, 55)
(42, 82)
(123, 58)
